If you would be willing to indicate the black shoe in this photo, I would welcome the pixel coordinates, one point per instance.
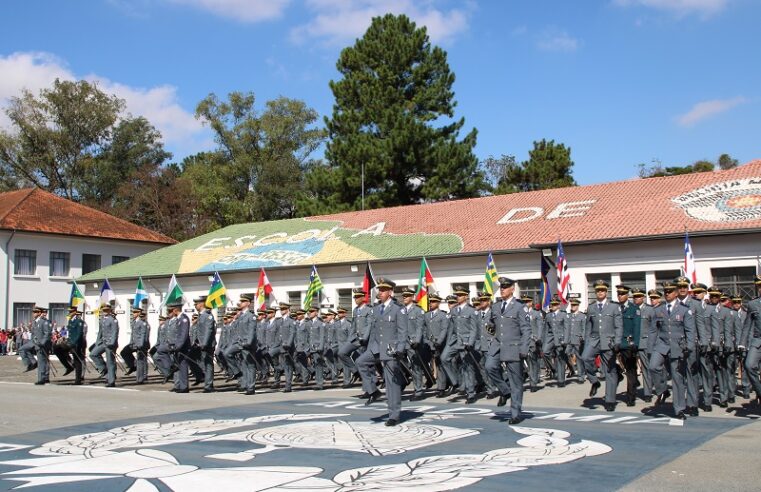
(662, 397)
(503, 400)
(692, 411)
(416, 396)
(183, 391)
(275, 386)
(707, 408)
(534, 389)
(470, 400)
(129, 371)
(78, 383)
(373, 398)
(391, 422)
(355, 377)
(746, 395)
(647, 399)
(561, 385)
(39, 383)
(492, 396)
(441, 394)
(731, 399)
(31, 367)
(681, 416)
(209, 390)
(111, 385)
(723, 404)
(68, 371)
(630, 402)
(287, 390)
(197, 382)
(514, 421)
(250, 392)
(594, 388)
(234, 376)
(364, 396)
(609, 407)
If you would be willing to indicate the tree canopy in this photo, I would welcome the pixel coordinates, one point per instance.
(549, 166)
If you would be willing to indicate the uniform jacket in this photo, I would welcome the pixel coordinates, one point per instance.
(108, 332)
(415, 323)
(632, 319)
(752, 325)
(76, 328)
(437, 328)
(287, 332)
(554, 329)
(724, 320)
(302, 336)
(331, 335)
(668, 333)
(388, 329)
(646, 313)
(316, 334)
(465, 325)
(715, 320)
(205, 330)
(42, 332)
(512, 330)
(161, 336)
(182, 332)
(139, 336)
(486, 340)
(536, 319)
(575, 324)
(604, 327)
(741, 314)
(702, 322)
(343, 331)
(246, 325)
(361, 322)
(271, 332)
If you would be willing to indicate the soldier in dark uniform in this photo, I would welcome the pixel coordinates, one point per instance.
(352, 347)
(672, 335)
(106, 342)
(287, 335)
(203, 343)
(485, 341)
(331, 344)
(632, 319)
(77, 344)
(224, 341)
(555, 339)
(465, 334)
(646, 313)
(699, 365)
(576, 323)
(603, 337)
(317, 346)
(436, 325)
(138, 344)
(343, 337)
(302, 347)
(175, 360)
(271, 347)
(536, 319)
(751, 338)
(416, 352)
(723, 326)
(741, 314)
(39, 345)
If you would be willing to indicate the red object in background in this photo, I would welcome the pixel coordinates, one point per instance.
(597, 362)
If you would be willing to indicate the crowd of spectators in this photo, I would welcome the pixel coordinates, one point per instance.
(12, 339)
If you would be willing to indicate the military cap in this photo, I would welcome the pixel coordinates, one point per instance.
(475, 300)
(623, 289)
(484, 296)
(143, 314)
(737, 297)
(340, 310)
(460, 290)
(247, 297)
(200, 299)
(40, 309)
(384, 283)
(555, 301)
(409, 291)
(601, 284)
(526, 298)
(300, 311)
(669, 286)
(73, 309)
(225, 317)
(105, 307)
(292, 315)
(137, 310)
(233, 310)
(757, 279)
(574, 302)
(312, 308)
(284, 305)
(270, 309)
(175, 304)
(451, 299)
(637, 292)
(714, 291)
(654, 294)
(195, 316)
(261, 312)
(331, 311)
(724, 296)
(163, 318)
(505, 282)
(682, 281)
(434, 298)
(358, 292)
(698, 288)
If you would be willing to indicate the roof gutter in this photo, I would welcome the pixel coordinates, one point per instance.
(8, 277)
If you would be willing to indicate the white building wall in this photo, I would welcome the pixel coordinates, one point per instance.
(615, 258)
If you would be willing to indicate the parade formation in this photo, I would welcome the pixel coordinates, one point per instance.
(705, 342)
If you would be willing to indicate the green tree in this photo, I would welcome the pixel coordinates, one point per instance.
(725, 162)
(701, 166)
(393, 114)
(549, 166)
(260, 158)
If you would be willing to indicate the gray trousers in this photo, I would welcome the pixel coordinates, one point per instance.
(204, 361)
(533, 367)
(344, 355)
(28, 351)
(722, 375)
(607, 361)
(366, 367)
(647, 377)
(416, 368)
(514, 384)
(450, 364)
(489, 382)
(181, 375)
(468, 373)
(302, 365)
(751, 367)
(708, 375)
(693, 379)
(678, 378)
(332, 362)
(248, 368)
(574, 350)
(135, 358)
(395, 382)
(109, 366)
(287, 363)
(561, 360)
(233, 357)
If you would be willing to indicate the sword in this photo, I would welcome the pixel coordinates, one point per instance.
(47, 358)
(430, 381)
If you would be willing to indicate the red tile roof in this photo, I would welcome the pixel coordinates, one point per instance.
(699, 202)
(34, 210)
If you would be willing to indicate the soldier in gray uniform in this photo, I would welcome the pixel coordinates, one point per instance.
(203, 342)
(740, 315)
(361, 323)
(646, 313)
(751, 338)
(723, 323)
(416, 351)
(389, 340)
(302, 347)
(39, 345)
(180, 346)
(286, 337)
(576, 323)
(603, 337)
(331, 344)
(317, 346)
(344, 335)
(436, 325)
(166, 358)
(261, 354)
(465, 334)
(485, 341)
(536, 319)
(699, 366)
(272, 343)
(138, 344)
(106, 342)
(511, 328)
(555, 339)
(247, 337)
(224, 341)
(672, 338)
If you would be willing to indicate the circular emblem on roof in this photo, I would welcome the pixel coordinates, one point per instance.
(729, 201)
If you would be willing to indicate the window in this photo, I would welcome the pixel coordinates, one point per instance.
(90, 263)
(345, 298)
(735, 281)
(57, 314)
(22, 313)
(118, 259)
(665, 276)
(25, 262)
(591, 279)
(294, 298)
(530, 287)
(59, 264)
(634, 280)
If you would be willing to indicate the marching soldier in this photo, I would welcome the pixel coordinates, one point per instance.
(437, 329)
(106, 342)
(243, 338)
(343, 337)
(415, 352)
(224, 341)
(512, 332)
(603, 337)
(672, 335)
(554, 339)
(286, 337)
(449, 361)
(272, 344)
(317, 346)
(358, 335)
(536, 319)
(77, 344)
(261, 354)
(485, 341)
(175, 361)
(302, 347)
(644, 349)
(751, 338)
(204, 342)
(465, 333)
(575, 325)
(700, 371)
(632, 319)
(39, 345)
(723, 326)
(368, 338)
(138, 343)
(331, 344)
(741, 314)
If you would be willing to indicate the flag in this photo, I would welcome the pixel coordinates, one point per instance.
(689, 261)
(140, 293)
(174, 292)
(491, 275)
(106, 294)
(544, 290)
(76, 298)
(315, 286)
(217, 297)
(564, 280)
(424, 284)
(263, 290)
(368, 283)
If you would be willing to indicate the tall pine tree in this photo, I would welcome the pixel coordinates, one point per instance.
(394, 113)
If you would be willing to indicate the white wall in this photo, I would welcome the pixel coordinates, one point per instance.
(639, 256)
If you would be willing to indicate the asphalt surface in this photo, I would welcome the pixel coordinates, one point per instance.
(64, 437)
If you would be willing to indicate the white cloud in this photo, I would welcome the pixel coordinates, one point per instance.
(340, 21)
(706, 109)
(37, 70)
(554, 40)
(680, 8)
(240, 10)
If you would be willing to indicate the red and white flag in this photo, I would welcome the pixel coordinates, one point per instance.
(263, 290)
(564, 280)
(689, 261)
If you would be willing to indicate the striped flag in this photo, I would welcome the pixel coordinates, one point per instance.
(689, 261)
(564, 280)
(315, 286)
(491, 275)
(76, 298)
(263, 290)
(140, 293)
(368, 283)
(217, 297)
(106, 294)
(424, 284)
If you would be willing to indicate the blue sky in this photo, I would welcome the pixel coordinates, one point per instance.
(619, 81)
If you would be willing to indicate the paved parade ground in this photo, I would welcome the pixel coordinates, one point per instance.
(140, 438)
